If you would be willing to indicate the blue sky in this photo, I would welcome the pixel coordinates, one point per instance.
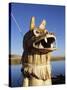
(54, 16)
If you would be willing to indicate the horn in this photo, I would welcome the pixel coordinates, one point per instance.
(32, 23)
(42, 25)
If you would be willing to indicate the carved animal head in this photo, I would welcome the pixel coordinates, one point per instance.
(38, 39)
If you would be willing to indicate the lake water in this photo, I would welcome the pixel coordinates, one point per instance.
(58, 67)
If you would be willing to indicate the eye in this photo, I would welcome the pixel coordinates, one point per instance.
(36, 33)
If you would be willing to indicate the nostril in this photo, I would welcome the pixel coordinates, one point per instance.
(51, 33)
(46, 32)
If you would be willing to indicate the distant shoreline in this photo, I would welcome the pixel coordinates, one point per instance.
(16, 59)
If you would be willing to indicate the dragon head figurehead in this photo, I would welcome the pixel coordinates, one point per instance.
(38, 39)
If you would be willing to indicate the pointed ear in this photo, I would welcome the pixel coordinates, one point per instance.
(42, 25)
(32, 23)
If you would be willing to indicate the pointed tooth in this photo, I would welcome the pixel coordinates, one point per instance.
(52, 45)
(40, 46)
(45, 39)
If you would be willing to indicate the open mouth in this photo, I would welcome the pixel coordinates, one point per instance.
(46, 43)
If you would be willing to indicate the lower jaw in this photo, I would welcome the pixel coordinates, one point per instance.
(43, 50)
